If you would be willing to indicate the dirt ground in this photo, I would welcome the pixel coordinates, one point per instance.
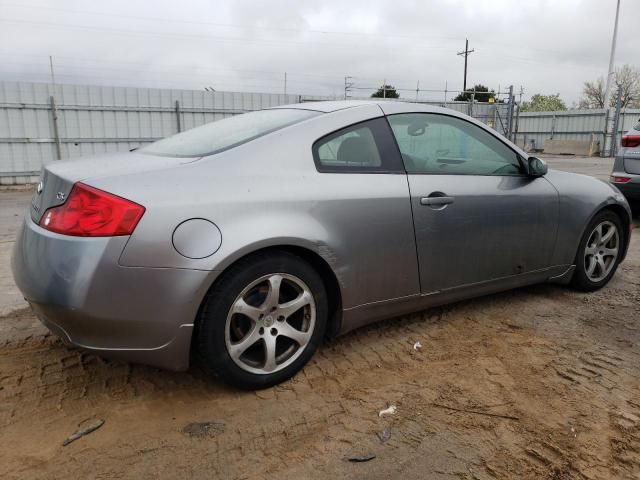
(542, 382)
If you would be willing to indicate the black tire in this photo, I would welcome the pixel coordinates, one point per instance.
(581, 280)
(210, 333)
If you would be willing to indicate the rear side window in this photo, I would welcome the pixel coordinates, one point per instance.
(637, 126)
(365, 147)
(224, 134)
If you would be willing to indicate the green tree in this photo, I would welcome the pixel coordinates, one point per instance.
(386, 91)
(544, 103)
(482, 94)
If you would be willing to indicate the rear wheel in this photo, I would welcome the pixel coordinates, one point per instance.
(263, 320)
(599, 252)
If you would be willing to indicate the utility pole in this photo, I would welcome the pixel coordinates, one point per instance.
(285, 83)
(347, 86)
(610, 73)
(466, 53)
(53, 77)
(607, 90)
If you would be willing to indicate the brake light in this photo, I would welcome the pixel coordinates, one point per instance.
(89, 212)
(619, 179)
(630, 141)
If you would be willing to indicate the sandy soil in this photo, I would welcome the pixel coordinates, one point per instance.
(541, 382)
(537, 383)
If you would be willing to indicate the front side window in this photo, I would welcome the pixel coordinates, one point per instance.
(363, 147)
(224, 134)
(441, 144)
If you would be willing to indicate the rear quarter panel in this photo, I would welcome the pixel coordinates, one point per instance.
(268, 192)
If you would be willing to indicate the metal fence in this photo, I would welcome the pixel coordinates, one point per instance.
(40, 122)
(534, 128)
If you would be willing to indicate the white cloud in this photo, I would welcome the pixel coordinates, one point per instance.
(545, 46)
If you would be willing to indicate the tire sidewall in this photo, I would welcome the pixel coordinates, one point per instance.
(210, 332)
(581, 279)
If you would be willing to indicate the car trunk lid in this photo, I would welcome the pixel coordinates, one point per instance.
(58, 178)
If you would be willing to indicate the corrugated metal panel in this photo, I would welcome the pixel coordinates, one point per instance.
(628, 118)
(569, 125)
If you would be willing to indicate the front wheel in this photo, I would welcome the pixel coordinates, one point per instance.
(263, 320)
(599, 252)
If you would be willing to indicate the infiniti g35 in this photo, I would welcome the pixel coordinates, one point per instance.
(248, 240)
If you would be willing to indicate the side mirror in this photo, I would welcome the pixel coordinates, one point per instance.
(537, 167)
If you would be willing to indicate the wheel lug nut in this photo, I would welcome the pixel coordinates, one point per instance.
(274, 332)
(261, 331)
(280, 318)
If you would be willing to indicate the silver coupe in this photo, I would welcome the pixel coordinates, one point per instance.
(247, 241)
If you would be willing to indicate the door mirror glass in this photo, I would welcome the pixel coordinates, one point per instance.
(537, 167)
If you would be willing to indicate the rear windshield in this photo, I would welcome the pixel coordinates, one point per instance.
(224, 134)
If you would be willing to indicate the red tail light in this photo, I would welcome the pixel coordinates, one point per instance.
(89, 212)
(619, 179)
(630, 140)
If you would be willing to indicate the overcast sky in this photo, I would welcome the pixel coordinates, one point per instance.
(547, 46)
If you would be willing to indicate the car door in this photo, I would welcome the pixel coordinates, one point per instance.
(362, 200)
(477, 216)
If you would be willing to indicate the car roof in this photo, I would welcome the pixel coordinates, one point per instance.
(387, 106)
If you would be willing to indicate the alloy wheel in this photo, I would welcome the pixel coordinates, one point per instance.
(270, 323)
(601, 251)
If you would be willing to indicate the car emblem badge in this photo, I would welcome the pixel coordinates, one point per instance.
(39, 188)
(60, 196)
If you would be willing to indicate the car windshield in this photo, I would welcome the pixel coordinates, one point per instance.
(224, 134)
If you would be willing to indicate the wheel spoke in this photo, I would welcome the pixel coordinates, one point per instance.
(300, 337)
(270, 353)
(237, 349)
(592, 266)
(590, 250)
(597, 235)
(610, 252)
(244, 308)
(608, 236)
(289, 308)
(273, 295)
(602, 266)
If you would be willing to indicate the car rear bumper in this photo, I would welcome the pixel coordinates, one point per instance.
(80, 292)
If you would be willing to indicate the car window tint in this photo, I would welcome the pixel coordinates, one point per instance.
(365, 147)
(356, 148)
(441, 144)
(227, 133)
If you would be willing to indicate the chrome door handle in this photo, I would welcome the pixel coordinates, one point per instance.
(436, 201)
